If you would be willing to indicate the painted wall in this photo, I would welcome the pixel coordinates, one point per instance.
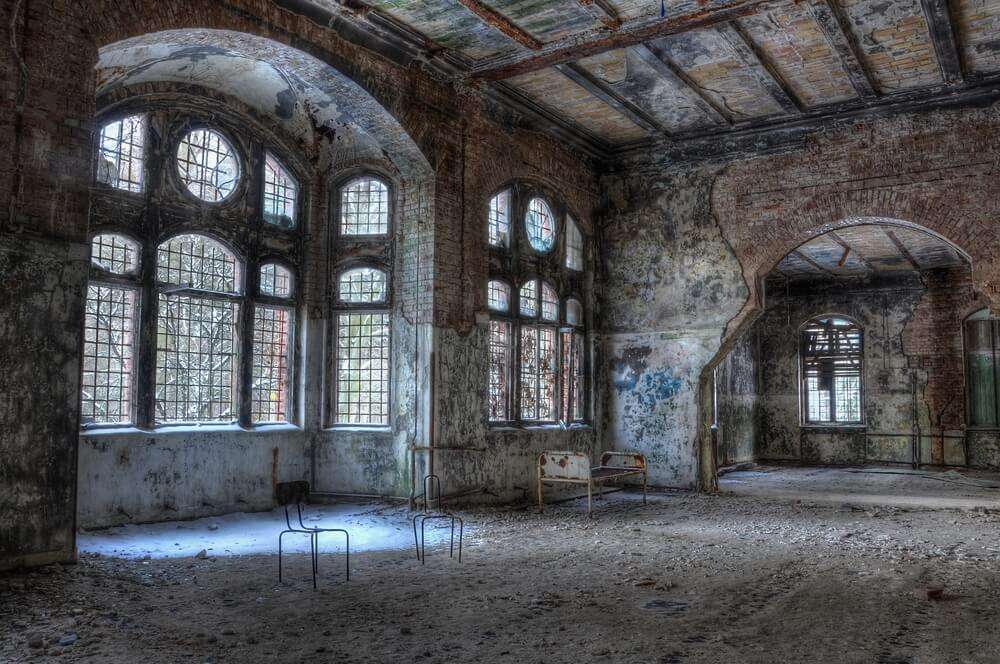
(737, 394)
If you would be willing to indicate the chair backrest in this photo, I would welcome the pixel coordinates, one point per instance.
(623, 460)
(564, 465)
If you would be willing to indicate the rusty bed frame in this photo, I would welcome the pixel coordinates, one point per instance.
(575, 468)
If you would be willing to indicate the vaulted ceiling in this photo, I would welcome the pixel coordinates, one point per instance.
(619, 73)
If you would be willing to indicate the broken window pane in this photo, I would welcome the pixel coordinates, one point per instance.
(830, 350)
(362, 369)
(120, 153)
(272, 329)
(540, 225)
(501, 344)
(538, 373)
(207, 165)
(198, 262)
(108, 352)
(572, 375)
(364, 284)
(574, 312)
(115, 253)
(364, 207)
(550, 302)
(196, 353)
(275, 280)
(529, 299)
(280, 192)
(574, 245)
(499, 219)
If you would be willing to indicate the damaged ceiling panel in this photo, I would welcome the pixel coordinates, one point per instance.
(547, 20)
(896, 42)
(977, 23)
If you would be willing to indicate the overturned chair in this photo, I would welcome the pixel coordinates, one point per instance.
(575, 468)
(313, 532)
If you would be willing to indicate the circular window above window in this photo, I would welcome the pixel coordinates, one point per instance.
(540, 224)
(208, 165)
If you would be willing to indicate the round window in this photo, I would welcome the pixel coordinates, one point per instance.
(540, 224)
(208, 165)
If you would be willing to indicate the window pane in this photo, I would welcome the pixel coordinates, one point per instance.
(108, 352)
(550, 303)
(819, 401)
(538, 373)
(197, 262)
(499, 219)
(500, 364)
(572, 375)
(195, 359)
(207, 165)
(120, 153)
(529, 299)
(280, 192)
(847, 394)
(275, 281)
(363, 285)
(115, 253)
(982, 382)
(574, 312)
(574, 245)
(364, 208)
(498, 296)
(540, 224)
(272, 329)
(363, 369)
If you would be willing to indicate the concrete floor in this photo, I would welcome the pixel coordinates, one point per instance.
(686, 579)
(887, 486)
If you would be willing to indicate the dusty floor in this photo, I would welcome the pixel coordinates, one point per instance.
(687, 578)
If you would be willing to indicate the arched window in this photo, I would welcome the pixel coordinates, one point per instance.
(540, 225)
(364, 207)
(280, 193)
(121, 153)
(499, 220)
(982, 338)
(830, 351)
(110, 325)
(362, 348)
(222, 345)
(537, 362)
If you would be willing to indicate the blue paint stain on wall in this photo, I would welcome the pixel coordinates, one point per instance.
(624, 377)
(656, 386)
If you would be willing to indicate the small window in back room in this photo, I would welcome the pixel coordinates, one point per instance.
(830, 351)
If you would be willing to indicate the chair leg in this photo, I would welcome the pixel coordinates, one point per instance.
(416, 543)
(279, 556)
(347, 559)
(423, 542)
(643, 487)
(540, 507)
(314, 543)
(461, 535)
(451, 547)
(590, 510)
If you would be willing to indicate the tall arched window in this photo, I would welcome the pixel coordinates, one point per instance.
(832, 390)
(364, 207)
(182, 328)
(982, 342)
(537, 347)
(362, 348)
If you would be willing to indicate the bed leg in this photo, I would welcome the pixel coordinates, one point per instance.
(644, 487)
(600, 490)
(590, 511)
(540, 508)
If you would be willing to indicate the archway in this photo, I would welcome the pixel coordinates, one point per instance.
(909, 289)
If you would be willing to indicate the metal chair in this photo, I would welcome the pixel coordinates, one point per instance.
(432, 487)
(317, 530)
(313, 533)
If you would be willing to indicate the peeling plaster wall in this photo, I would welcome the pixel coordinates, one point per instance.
(671, 284)
(737, 394)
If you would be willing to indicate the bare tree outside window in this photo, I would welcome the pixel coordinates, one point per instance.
(364, 284)
(272, 330)
(364, 207)
(540, 224)
(574, 245)
(363, 369)
(501, 345)
(280, 194)
(499, 219)
(108, 355)
(538, 373)
(275, 281)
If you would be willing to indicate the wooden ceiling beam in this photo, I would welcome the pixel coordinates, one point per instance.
(942, 33)
(662, 64)
(901, 248)
(595, 86)
(849, 249)
(801, 256)
(593, 42)
(495, 19)
(760, 65)
(601, 11)
(837, 30)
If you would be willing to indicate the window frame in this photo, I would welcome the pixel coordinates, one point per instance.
(342, 307)
(299, 193)
(239, 192)
(104, 122)
(804, 421)
(338, 202)
(966, 366)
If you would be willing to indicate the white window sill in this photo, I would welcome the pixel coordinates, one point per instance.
(169, 429)
(354, 428)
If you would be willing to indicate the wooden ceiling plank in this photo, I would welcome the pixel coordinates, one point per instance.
(903, 251)
(813, 263)
(754, 58)
(662, 64)
(495, 19)
(942, 33)
(630, 33)
(598, 88)
(602, 11)
(834, 24)
(849, 248)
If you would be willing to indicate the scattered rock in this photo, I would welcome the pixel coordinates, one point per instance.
(36, 642)
(67, 640)
(932, 593)
(201, 555)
